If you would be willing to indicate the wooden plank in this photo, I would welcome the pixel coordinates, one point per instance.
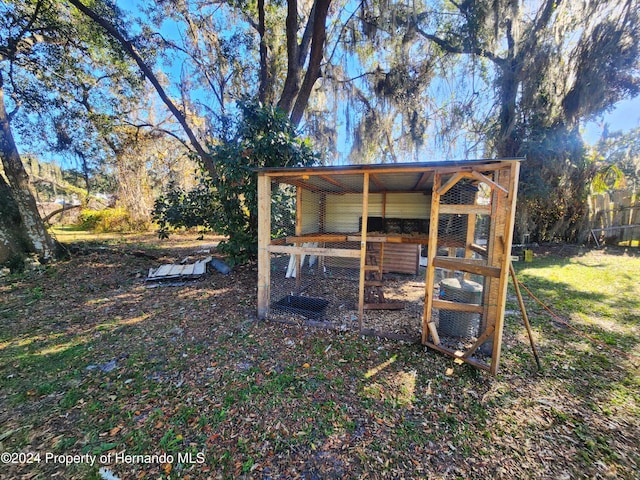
(264, 236)
(279, 241)
(319, 251)
(491, 285)
(301, 184)
(483, 178)
(467, 265)
(363, 247)
(457, 306)
(525, 317)
(401, 258)
(376, 181)
(370, 238)
(298, 258)
(413, 239)
(431, 254)
(470, 237)
(408, 239)
(508, 176)
(483, 338)
(466, 209)
(299, 209)
(384, 306)
(456, 177)
(317, 237)
(337, 183)
(479, 249)
(434, 333)
(452, 353)
(424, 178)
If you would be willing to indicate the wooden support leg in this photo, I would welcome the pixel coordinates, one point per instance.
(525, 318)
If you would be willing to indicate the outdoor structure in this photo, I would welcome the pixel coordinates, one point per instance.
(415, 251)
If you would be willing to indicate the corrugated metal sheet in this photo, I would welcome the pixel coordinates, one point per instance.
(400, 258)
(343, 212)
(310, 211)
(408, 205)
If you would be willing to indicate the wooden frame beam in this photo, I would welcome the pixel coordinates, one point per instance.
(432, 248)
(467, 265)
(376, 181)
(424, 178)
(319, 251)
(264, 236)
(363, 247)
(338, 184)
(484, 179)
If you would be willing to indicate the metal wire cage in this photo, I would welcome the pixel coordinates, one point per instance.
(409, 251)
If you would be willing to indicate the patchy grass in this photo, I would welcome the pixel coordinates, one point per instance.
(94, 363)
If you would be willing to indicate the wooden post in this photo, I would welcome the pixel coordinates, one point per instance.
(432, 249)
(299, 258)
(264, 238)
(508, 177)
(471, 234)
(363, 246)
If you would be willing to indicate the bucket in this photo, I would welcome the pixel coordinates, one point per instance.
(460, 324)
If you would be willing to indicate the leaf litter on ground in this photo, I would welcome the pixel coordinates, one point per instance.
(190, 370)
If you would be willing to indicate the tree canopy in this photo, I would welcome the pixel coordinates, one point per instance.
(368, 81)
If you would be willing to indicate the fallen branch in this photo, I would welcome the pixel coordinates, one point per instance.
(64, 208)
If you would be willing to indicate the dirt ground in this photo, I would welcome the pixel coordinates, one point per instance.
(95, 361)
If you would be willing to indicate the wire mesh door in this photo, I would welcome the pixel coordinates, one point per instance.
(469, 247)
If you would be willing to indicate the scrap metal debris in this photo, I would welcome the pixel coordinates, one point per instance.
(172, 271)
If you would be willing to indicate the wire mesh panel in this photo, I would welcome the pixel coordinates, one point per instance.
(316, 276)
(332, 269)
(462, 263)
(415, 251)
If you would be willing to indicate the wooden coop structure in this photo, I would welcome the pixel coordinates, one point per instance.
(415, 251)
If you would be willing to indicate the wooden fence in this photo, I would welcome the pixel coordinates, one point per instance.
(614, 218)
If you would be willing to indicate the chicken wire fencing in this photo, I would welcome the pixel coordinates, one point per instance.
(322, 217)
(461, 289)
(416, 252)
(323, 280)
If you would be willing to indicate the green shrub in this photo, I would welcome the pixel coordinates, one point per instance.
(227, 204)
(110, 220)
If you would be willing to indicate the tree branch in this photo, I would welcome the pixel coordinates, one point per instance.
(131, 50)
(321, 9)
(451, 48)
(306, 37)
(155, 128)
(292, 81)
(64, 208)
(264, 70)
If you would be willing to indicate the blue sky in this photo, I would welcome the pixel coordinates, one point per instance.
(625, 116)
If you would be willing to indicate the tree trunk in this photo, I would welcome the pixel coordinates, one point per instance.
(13, 242)
(292, 81)
(21, 227)
(320, 11)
